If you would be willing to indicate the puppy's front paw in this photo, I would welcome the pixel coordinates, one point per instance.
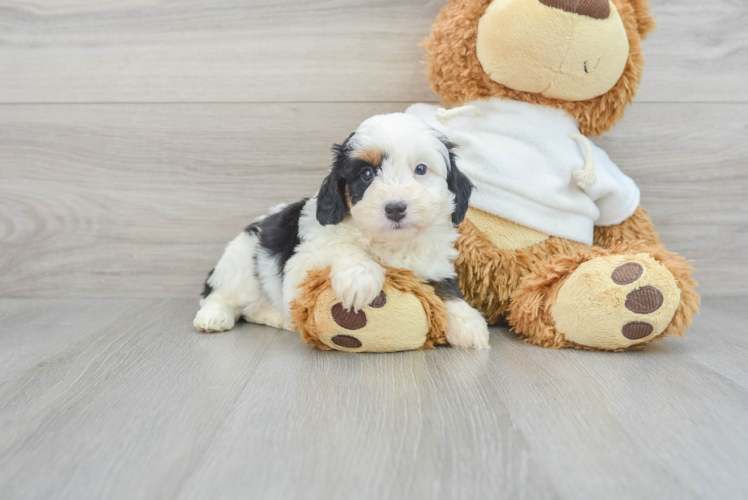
(466, 327)
(358, 285)
(213, 318)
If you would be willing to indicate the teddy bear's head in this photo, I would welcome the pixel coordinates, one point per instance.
(583, 56)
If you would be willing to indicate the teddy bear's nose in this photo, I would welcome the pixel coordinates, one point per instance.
(596, 9)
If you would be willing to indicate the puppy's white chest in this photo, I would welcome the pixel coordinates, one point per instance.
(395, 259)
(427, 263)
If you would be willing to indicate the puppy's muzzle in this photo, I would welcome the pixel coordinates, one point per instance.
(395, 210)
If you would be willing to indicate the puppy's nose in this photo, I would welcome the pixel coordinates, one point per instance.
(596, 9)
(395, 210)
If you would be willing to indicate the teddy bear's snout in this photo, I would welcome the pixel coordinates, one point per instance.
(579, 48)
(596, 9)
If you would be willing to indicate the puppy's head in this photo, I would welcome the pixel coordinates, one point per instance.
(395, 176)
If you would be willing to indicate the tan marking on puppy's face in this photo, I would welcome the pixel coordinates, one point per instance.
(348, 198)
(373, 156)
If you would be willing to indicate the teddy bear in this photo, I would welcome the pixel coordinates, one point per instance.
(555, 241)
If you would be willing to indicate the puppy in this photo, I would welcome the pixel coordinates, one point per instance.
(394, 197)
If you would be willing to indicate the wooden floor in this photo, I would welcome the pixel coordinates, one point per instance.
(123, 400)
(137, 137)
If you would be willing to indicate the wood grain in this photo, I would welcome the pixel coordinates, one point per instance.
(144, 407)
(209, 112)
(305, 50)
(139, 200)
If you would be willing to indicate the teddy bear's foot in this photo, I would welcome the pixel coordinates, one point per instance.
(616, 301)
(375, 328)
(406, 315)
(608, 300)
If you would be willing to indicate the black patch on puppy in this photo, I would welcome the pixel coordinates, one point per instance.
(447, 289)
(459, 184)
(279, 232)
(332, 206)
(345, 180)
(207, 289)
(353, 171)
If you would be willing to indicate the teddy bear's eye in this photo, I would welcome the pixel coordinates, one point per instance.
(368, 174)
(421, 169)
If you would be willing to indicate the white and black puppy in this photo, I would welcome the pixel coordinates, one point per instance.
(393, 198)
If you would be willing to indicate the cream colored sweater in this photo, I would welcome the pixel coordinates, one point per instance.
(528, 165)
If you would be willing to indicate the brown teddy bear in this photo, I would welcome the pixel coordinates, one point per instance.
(570, 259)
(555, 241)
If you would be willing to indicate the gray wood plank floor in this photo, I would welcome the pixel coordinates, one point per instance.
(122, 399)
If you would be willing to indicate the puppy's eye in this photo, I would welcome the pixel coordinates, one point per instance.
(421, 169)
(368, 174)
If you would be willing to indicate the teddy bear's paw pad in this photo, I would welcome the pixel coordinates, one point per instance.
(380, 301)
(635, 330)
(616, 301)
(347, 341)
(627, 273)
(393, 321)
(644, 300)
(347, 318)
(355, 320)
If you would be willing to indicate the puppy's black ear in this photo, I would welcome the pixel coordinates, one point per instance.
(459, 184)
(332, 206)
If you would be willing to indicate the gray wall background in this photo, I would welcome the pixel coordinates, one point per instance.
(137, 137)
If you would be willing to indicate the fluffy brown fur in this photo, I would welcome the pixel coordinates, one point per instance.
(489, 275)
(523, 284)
(637, 227)
(457, 76)
(372, 156)
(530, 308)
(302, 309)
(644, 20)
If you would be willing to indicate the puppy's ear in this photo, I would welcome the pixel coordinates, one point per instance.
(459, 184)
(332, 206)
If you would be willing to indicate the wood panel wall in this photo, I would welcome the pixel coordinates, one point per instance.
(138, 136)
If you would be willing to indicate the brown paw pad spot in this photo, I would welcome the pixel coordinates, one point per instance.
(644, 300)
(347, 341)
(627, 273)
(637, 330)
(380, 301)
(348, 319)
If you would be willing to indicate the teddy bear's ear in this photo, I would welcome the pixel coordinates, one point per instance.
(644, 20)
